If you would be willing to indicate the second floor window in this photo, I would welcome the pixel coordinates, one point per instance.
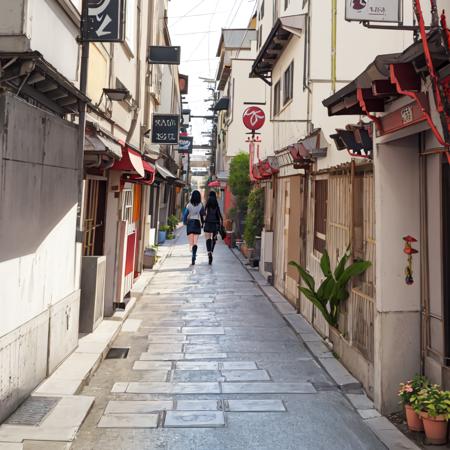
(277, 98)
(261, 11)
(288, 83)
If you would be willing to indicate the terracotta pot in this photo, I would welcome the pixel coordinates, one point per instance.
(413, 419)
(435, 429)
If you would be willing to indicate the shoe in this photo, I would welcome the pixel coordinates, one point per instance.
(194, 254)
(210, 258)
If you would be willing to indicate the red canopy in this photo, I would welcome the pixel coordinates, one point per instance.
(214, 184)
(131, 161)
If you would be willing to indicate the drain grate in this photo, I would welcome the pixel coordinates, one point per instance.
(117, 353)
(33, 411)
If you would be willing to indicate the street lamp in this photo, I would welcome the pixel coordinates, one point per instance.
(117, 95)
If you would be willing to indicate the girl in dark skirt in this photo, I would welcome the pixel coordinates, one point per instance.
(213, 221)
(194, 222)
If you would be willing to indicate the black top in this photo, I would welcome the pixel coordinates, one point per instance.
(213, 215)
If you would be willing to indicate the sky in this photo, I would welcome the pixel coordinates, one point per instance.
(196, 25)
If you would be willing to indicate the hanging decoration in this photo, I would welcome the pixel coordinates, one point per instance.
(410, 251)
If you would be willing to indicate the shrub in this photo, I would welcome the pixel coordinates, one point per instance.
(172, 222)
(433, 401)
(165, 228)
(254, 220)
(408, 391)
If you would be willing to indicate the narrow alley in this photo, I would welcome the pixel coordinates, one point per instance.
(213, 365)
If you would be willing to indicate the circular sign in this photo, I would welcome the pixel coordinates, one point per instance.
(254, 118)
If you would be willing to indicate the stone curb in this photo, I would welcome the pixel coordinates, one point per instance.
(385, 431)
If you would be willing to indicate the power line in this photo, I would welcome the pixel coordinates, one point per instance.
(192, 9)
(194, 15)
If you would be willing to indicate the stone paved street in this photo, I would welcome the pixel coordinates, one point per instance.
(212, 365)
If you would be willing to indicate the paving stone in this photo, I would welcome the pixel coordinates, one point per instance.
(131, 325)
(203, 330)
(360, 401)
(137, 406)
(119, 387)
(268, 388)
(206, 348)
(245, 375)
(256, 405)
(161, 356)
(152, 365)
(162, 348)
(310, 337)
(197, 405)
(196, 376)
(172, 388)
(320, 350)
(368, 413)
(129, 421)
(167, 339)
(205, 355)
(239, 365)
(198, 365)
(339, 373)
(194, 419)
(163, 330)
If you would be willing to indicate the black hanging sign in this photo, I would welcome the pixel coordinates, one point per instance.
(185, 144)
(105, 21)
(165, 129)
(158, 54)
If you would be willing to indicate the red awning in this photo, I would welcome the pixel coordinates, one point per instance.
(214, 184)
(148, 179)
(131, 162)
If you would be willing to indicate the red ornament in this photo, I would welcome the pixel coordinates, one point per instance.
(254, 118)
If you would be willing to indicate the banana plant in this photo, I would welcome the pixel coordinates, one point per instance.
(333, 289)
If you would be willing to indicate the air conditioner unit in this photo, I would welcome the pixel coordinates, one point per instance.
(266, 261)
(93, 275)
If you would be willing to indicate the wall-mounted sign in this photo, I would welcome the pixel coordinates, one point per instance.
(184, 84)
(164, 55)
(185, 144)
(165, 129)
(254, 118)
(373, 10)
(105, 21)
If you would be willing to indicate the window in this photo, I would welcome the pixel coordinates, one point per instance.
(320, 214)
(288, 83)
(130, 25)
(276, 98)
(259, 36)
(261, 11)
(286, 4)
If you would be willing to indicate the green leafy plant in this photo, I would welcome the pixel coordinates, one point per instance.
(254, 221)
(172, 221)
(165, 228)
(408, 391)
(333, 289)
(170, 236)
(433, 401)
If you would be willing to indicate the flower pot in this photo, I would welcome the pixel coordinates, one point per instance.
(162, 237)
(435, 429)
(413, 419)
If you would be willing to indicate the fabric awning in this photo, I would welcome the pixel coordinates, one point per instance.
(277, 41)
(222, 104)
(131, 161)
(214, 184)
(165, 173)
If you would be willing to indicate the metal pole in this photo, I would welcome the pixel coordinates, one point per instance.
(82, 116)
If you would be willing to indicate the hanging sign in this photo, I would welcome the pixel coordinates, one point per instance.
(373, 10)
(254, 118)
(165, 129)
(105, 21)
(185, 144)
(158, 54)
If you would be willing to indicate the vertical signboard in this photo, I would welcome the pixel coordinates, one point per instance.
(373, 10)
(185, 144)
(105, 21)
(165, 129)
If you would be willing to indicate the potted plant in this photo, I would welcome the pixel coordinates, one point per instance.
(433, 405)
(162, 235)
(408, 394)
(172, 222)
(149, 257)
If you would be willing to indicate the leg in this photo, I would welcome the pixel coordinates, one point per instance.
(194, 247)
(209, 246)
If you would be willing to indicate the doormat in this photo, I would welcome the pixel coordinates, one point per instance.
(33, 411)
(117, 353)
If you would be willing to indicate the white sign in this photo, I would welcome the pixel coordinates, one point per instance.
(373, 10)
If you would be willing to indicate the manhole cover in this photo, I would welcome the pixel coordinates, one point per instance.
(117, 353)
(33, 411)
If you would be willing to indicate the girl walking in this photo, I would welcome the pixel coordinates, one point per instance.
(195, 216)
(213, 222)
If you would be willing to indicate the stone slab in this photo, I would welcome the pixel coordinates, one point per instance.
(131, 325)
(320, 350)
(137, 406)
(360, 401)
(167, 339)
(390, 435)
(203, 330)
(239, 365)
(256, 406)
(197, 365)
(197, 405)
(205, 355)
(368, 413)
(268, 388)
(246, 375)
(161, 356)
(162, 348)
(129, 421)
(310, 337)
(342, 377)
(152, 365)
(163, 330)
(203, 348)
(194, 419)
(173, 388)
(119, 387)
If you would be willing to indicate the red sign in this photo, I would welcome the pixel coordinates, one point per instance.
(254, 118)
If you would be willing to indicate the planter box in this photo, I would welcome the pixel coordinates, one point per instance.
(149, 258)
(162, 237)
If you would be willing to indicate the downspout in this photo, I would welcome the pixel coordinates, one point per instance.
(333, 44)
(149, 71)
(137, 106)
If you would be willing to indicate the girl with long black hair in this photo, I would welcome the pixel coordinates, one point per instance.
(195, 216)
(213, 221)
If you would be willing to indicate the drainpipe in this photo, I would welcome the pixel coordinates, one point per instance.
(333, 43)
(137, 106)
